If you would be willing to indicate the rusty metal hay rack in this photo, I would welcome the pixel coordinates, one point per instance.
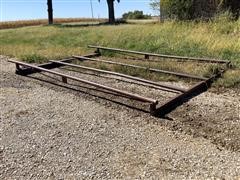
(182, 96)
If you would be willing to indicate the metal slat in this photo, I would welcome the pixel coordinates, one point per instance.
(27, 71)
(142, 67)
(123, 75)
(181, 98)
(146, 54)
(134, 96)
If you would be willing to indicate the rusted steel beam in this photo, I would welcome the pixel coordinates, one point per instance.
(163, 87)
(189, 94)
(65, 77)
(146, 54)
(27, 71)
(142, 67)
(216, 76)
(180, 99)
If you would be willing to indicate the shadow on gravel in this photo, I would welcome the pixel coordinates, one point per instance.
(67, 86)
(117, 79)
(186, 119)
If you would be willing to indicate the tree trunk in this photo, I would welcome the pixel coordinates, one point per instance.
(235, 7)
(111, 11)
(50, 12)
(162, 13)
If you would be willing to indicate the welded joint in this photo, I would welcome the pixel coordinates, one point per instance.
(18, 67)
(208, 84)
(97, 51)
(229, 65)
(146, 56)
(19, 70)
(64, 79)
(215, 77)
(153, 108)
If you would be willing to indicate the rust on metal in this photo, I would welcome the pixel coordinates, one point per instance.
(180, 99)
(125, 93)
(162, 55)
(183, 94)
(142, 67)
(166, 87)
(49, 65)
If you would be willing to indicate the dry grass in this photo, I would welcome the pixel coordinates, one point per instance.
(37, 22)
(201, 69)
(220, 40)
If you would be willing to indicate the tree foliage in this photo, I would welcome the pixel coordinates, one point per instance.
(155, 5)
(135, 15)
(195, 9)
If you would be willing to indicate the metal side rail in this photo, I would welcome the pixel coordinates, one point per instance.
(147, 55)
(28, 70)
(152, 102)
(192, 92)
(178, 100)
(155, 84)
(183, 75)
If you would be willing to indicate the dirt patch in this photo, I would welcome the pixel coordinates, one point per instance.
(212, 116)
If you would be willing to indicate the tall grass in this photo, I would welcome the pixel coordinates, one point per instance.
(217, 39)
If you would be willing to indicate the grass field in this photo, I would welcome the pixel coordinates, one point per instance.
(24, 23)
(218, 39)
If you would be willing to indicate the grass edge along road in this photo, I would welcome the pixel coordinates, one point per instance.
(219, 39)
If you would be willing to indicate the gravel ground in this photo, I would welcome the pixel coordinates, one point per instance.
(47, 131)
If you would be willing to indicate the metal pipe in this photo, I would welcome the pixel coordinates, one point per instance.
(173, 103)
(134, 96)
(27, 71)
(142, 67)
(123, 75)
(163, 55)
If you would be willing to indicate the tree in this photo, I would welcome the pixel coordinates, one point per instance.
(204, 9)
(50, 12)
(196, 9)
(176, 9)
(155, 5)
(135, 15)
(111, 15)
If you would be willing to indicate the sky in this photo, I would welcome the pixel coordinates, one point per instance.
(37, 9)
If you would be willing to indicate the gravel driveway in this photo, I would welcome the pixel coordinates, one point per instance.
(47, 131)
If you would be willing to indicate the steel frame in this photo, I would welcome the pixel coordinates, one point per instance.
(183, 95)
(147, 55)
